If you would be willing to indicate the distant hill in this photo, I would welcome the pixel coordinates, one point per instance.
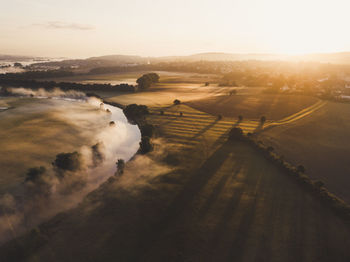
(336, 58)
(84, 65)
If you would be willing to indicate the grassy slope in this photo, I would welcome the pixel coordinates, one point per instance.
(321, 143)
(225, 202)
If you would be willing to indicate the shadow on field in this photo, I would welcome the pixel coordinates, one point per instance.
(205, 129)
(183, 200)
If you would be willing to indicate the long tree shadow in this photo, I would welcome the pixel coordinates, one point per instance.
(224, 136)
(185, 198)
(217, 190)
(241, 234)
(205, 129)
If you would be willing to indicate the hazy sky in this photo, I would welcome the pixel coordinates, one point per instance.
(82, 28)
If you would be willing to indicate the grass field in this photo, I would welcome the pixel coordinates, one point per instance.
(222, 201)
(321, 143)
(273, 107)
(34, 131)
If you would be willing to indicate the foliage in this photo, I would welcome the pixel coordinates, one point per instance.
(120, 167)
(68, 161)
(97, 154)
(145, 145)
(147, 130)
(135, 112)
(35, 173)
(146, 81)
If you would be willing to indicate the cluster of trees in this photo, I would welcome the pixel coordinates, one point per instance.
(147, 80)
(49, 85)
(135, 113)
(38, 74)
(66, 167)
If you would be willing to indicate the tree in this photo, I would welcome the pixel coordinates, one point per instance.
(68, 161)
(147, 130)
(135, 112)
(120, 167)
(240, 118)
(147, 80)
(35, 173)
(97, 154)
(262, 120)
(145, 145)
(177, 102)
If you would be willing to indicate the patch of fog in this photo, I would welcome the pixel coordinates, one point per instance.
(20, 211)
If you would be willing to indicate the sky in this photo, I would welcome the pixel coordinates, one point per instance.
(85, 28)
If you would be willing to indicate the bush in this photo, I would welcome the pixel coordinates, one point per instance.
(235, 133)
(177, 102)
(68, 161)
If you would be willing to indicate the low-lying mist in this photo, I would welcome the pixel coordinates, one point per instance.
(62, 184)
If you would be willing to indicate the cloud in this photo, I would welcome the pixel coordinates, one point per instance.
(64, 25)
